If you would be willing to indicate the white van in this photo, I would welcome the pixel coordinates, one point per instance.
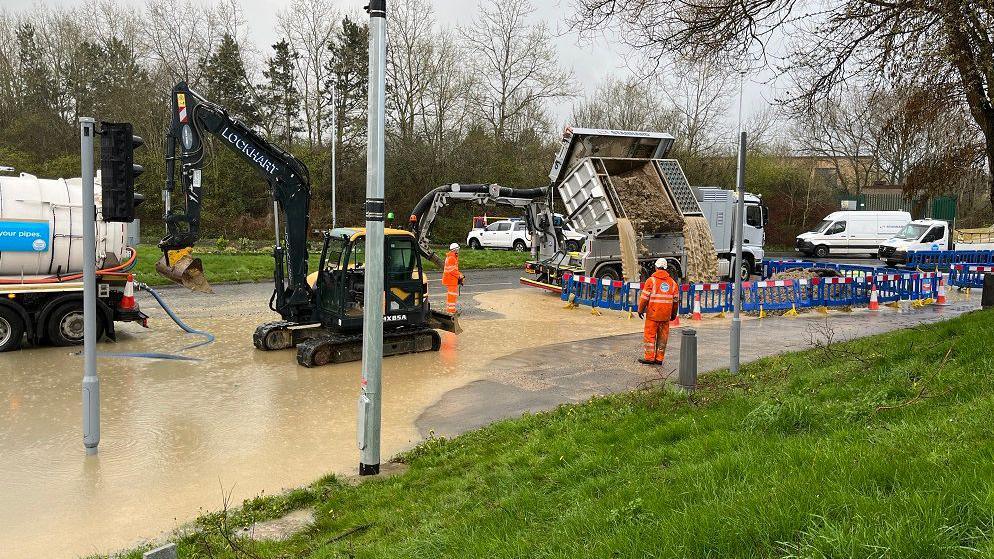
(851, 232)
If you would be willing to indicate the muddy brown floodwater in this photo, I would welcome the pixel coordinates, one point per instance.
(174, 435)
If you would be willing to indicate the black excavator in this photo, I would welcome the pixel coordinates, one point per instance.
(321, 312)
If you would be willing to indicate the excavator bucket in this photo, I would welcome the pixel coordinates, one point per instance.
(439, 320)
(179, 267)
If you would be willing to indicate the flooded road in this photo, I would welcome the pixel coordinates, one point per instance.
(174, 435)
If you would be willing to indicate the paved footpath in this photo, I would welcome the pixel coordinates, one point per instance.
(539, 379)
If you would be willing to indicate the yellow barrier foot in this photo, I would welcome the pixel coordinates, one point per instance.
(594, 311)
(792, 312)
(894, 305)
(822, 309)
(762, 313)
(721, 314)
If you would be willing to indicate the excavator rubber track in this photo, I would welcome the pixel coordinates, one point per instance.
(284, 334)
(345, 348)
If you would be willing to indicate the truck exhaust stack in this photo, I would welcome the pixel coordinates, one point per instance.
(179, 267)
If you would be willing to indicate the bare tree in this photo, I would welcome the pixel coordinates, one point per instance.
(630, 104)
(410, 62)
(927, 42)
(309, 25)
(700, 92)
(840, 130)
(180, 34)
(516, 63)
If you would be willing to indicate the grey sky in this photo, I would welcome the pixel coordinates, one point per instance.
(591, 62)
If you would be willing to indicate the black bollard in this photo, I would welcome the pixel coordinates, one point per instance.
(987, 298)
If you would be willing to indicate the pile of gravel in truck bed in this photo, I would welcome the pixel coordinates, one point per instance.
(645, 202)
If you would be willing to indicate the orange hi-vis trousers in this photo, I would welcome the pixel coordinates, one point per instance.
(654, 338)
(451, 298)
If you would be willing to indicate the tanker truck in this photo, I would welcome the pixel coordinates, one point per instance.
(41, 263)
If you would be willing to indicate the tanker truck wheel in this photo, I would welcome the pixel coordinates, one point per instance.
(65, 325)
(11, 329)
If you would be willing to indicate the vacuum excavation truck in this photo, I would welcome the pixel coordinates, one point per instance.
(321, 312)
(41, 263)
(610, 181)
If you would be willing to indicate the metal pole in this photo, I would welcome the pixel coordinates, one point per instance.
(736, 342)
(334, 148)
(372, 331)
(688, 359)
(91, 383)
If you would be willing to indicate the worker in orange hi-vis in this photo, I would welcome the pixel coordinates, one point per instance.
(658, 305)
(452, 278)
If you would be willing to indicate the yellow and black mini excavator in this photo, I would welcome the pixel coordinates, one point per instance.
(321, 312)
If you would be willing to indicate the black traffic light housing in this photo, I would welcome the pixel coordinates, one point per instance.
(118, 171)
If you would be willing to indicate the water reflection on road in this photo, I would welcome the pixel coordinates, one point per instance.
(174, 434)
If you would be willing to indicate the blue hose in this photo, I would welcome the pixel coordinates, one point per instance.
(208, 337)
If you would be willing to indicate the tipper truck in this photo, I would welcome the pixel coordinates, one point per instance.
(605, 176)
(41, 260)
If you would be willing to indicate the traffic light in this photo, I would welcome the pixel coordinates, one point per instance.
(118, 171)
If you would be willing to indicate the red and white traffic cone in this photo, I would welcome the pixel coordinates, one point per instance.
(697, 308)
(128, 300)
(941, 300)
(874, 299)
(675, 323)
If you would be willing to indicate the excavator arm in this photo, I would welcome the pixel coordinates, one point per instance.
(536, 202)
(193, 116)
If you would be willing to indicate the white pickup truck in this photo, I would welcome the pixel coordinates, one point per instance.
(513, 234)
(926, 234)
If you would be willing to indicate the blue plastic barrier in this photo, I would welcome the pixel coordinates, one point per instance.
(773, 295)
(968, 275)
(945, 259)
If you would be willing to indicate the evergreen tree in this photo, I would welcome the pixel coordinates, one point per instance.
(349, 78)
(282, 97)
(39, 92)
(227, 83)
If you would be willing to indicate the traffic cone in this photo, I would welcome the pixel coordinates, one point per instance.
(675, 323)
(697, 308)
(874, 298)
(941, 301)
(128, 300)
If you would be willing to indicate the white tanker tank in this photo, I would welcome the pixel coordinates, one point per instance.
(41, 228)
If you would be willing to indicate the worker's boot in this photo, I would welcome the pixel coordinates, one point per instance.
(645, 361)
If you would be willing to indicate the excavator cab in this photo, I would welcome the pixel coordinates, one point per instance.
(340, 282)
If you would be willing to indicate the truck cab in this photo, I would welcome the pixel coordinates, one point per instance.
(920, 234)
(718, 206)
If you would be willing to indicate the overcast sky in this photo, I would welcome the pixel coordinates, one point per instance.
(592, 62)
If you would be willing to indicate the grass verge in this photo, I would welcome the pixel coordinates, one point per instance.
(880, 447)
(258, 266)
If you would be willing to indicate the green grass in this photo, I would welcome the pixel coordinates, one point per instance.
(258, 266)
(880, 447)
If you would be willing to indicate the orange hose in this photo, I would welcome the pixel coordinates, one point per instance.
(73, 277)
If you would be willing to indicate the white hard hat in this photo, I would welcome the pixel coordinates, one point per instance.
(454, 246)
(661, 264)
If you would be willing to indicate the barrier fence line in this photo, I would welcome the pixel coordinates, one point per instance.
(969, 275)
(947, 259)
(767, 295)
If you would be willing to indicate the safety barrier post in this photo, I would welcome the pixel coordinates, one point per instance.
(688, 360)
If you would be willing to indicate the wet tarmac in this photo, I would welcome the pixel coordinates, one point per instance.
(177, 435)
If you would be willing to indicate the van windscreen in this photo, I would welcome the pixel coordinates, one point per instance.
(822, 226)
(912, 231)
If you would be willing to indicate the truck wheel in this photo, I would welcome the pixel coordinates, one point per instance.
(11, 329)
(572, 246)
(65, 325)
(474, 244)
(745, 269)
(519, 246)
(608, 273)
(821, 251)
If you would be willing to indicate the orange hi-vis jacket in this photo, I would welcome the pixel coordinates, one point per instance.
(660, 294)
(451, 274)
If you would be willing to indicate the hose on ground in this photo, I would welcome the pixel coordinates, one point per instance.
(208, 337)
